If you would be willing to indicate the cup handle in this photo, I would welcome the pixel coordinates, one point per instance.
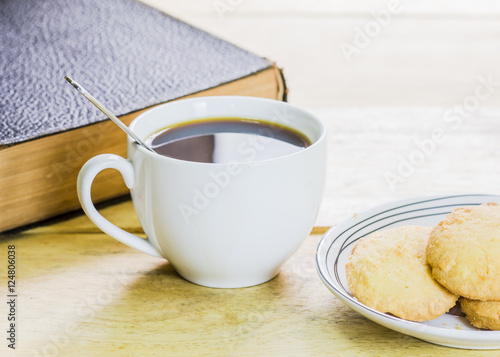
(85, 178)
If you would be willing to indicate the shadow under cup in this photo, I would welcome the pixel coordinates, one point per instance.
(228, 225)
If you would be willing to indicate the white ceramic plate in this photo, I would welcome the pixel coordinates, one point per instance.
(336, 245)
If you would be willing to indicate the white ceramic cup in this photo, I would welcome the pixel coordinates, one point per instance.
(219, 225)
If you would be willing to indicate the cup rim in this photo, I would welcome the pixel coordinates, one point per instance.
(132, 143)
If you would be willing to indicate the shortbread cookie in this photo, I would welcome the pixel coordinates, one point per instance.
(464, 252)
(482, 314)
(387, 271)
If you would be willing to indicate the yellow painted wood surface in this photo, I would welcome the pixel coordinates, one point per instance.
(81, 293)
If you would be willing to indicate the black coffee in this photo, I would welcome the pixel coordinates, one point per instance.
(224, 140)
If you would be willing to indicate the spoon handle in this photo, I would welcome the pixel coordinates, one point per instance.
(103, 109)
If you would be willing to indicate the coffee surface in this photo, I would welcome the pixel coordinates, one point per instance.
(225, 140)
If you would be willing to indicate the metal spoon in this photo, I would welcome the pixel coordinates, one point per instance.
(110, 115)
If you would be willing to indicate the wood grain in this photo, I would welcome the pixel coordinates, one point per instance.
(381, 155)
(85, 294)
(81, 292)
(428, 55)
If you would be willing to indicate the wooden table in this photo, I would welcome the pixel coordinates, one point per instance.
(81, 293)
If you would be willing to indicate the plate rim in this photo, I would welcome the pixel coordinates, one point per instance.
(485, 339)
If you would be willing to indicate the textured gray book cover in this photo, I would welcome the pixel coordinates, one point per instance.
(128, 55)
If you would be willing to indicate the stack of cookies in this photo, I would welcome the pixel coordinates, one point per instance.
(418, 273)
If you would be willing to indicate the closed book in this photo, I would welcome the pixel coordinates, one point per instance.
(128, 55)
